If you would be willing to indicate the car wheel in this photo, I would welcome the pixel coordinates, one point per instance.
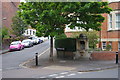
(29, 45)
(10, 50)
(19, 49)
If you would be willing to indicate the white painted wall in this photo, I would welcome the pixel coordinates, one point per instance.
(30, 32)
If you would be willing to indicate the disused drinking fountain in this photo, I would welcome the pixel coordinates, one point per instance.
(81, 45)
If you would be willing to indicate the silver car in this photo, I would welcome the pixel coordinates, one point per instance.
(27, 43)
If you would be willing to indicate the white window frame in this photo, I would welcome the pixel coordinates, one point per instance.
(104, 45)
(118, 45)
(117, 20)
(110, 22)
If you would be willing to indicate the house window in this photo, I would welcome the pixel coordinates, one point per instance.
(119, 46)
(110, 43)
(110, 21)
(27, 31)
(30, 32)
(103, 45)
(118, 20)
(33, 32)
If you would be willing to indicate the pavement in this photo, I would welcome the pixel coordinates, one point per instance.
(4, 51)
(80, 65)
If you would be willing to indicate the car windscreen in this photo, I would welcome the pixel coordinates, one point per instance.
(14, 43)
(25, 41)
(34, 38)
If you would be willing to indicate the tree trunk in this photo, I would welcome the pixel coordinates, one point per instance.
(51, 48)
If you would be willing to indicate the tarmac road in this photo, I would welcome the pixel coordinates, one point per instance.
(12, 60)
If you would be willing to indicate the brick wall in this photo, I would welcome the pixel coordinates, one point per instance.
(115, 5)
(111, 35)
(68, 34)
(115, 46)
(104, 55)
(104, 27)
(8, 11)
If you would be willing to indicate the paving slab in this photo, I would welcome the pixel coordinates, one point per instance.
(81, 65)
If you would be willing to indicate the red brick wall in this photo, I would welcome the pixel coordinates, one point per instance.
(68, 34)
(115, 46)
(104, 55)
(8, 11)
(104, 27)
(105, 34)
(115, 5)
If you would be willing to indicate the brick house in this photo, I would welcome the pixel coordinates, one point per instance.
(8, 11)
(110, 29)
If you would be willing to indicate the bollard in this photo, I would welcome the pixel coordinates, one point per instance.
(36, 59)
(116, 57)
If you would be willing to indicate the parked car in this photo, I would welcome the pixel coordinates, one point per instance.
(40, 41)
(27, 43)
(43, 38)
(16, 45)
(34, 39)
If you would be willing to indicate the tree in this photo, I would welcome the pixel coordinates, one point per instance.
(18, 25)
(87, 15)
(47, 18)
(50, 18)
(60, 36)
(4, 32)
(91, 35)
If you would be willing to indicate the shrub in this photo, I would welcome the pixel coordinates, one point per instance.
(61, 36)
(4, 32)
(68, 43)
(108, 47)
(91, 35)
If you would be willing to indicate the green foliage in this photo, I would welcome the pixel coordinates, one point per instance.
(91, 35)
(4, 33)
(108, 47)
(87, 15)
(45, 17)
(60, 36)
(49, 18)
(68, 43)
(18, 25)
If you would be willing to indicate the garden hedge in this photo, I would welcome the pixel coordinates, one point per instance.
(69, 44)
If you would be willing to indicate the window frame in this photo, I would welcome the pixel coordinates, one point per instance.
(104, 45)
(118, 45)
(117, 20)
(110, 22)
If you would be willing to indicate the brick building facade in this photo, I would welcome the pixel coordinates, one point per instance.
(8, 11)
(110, 29)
